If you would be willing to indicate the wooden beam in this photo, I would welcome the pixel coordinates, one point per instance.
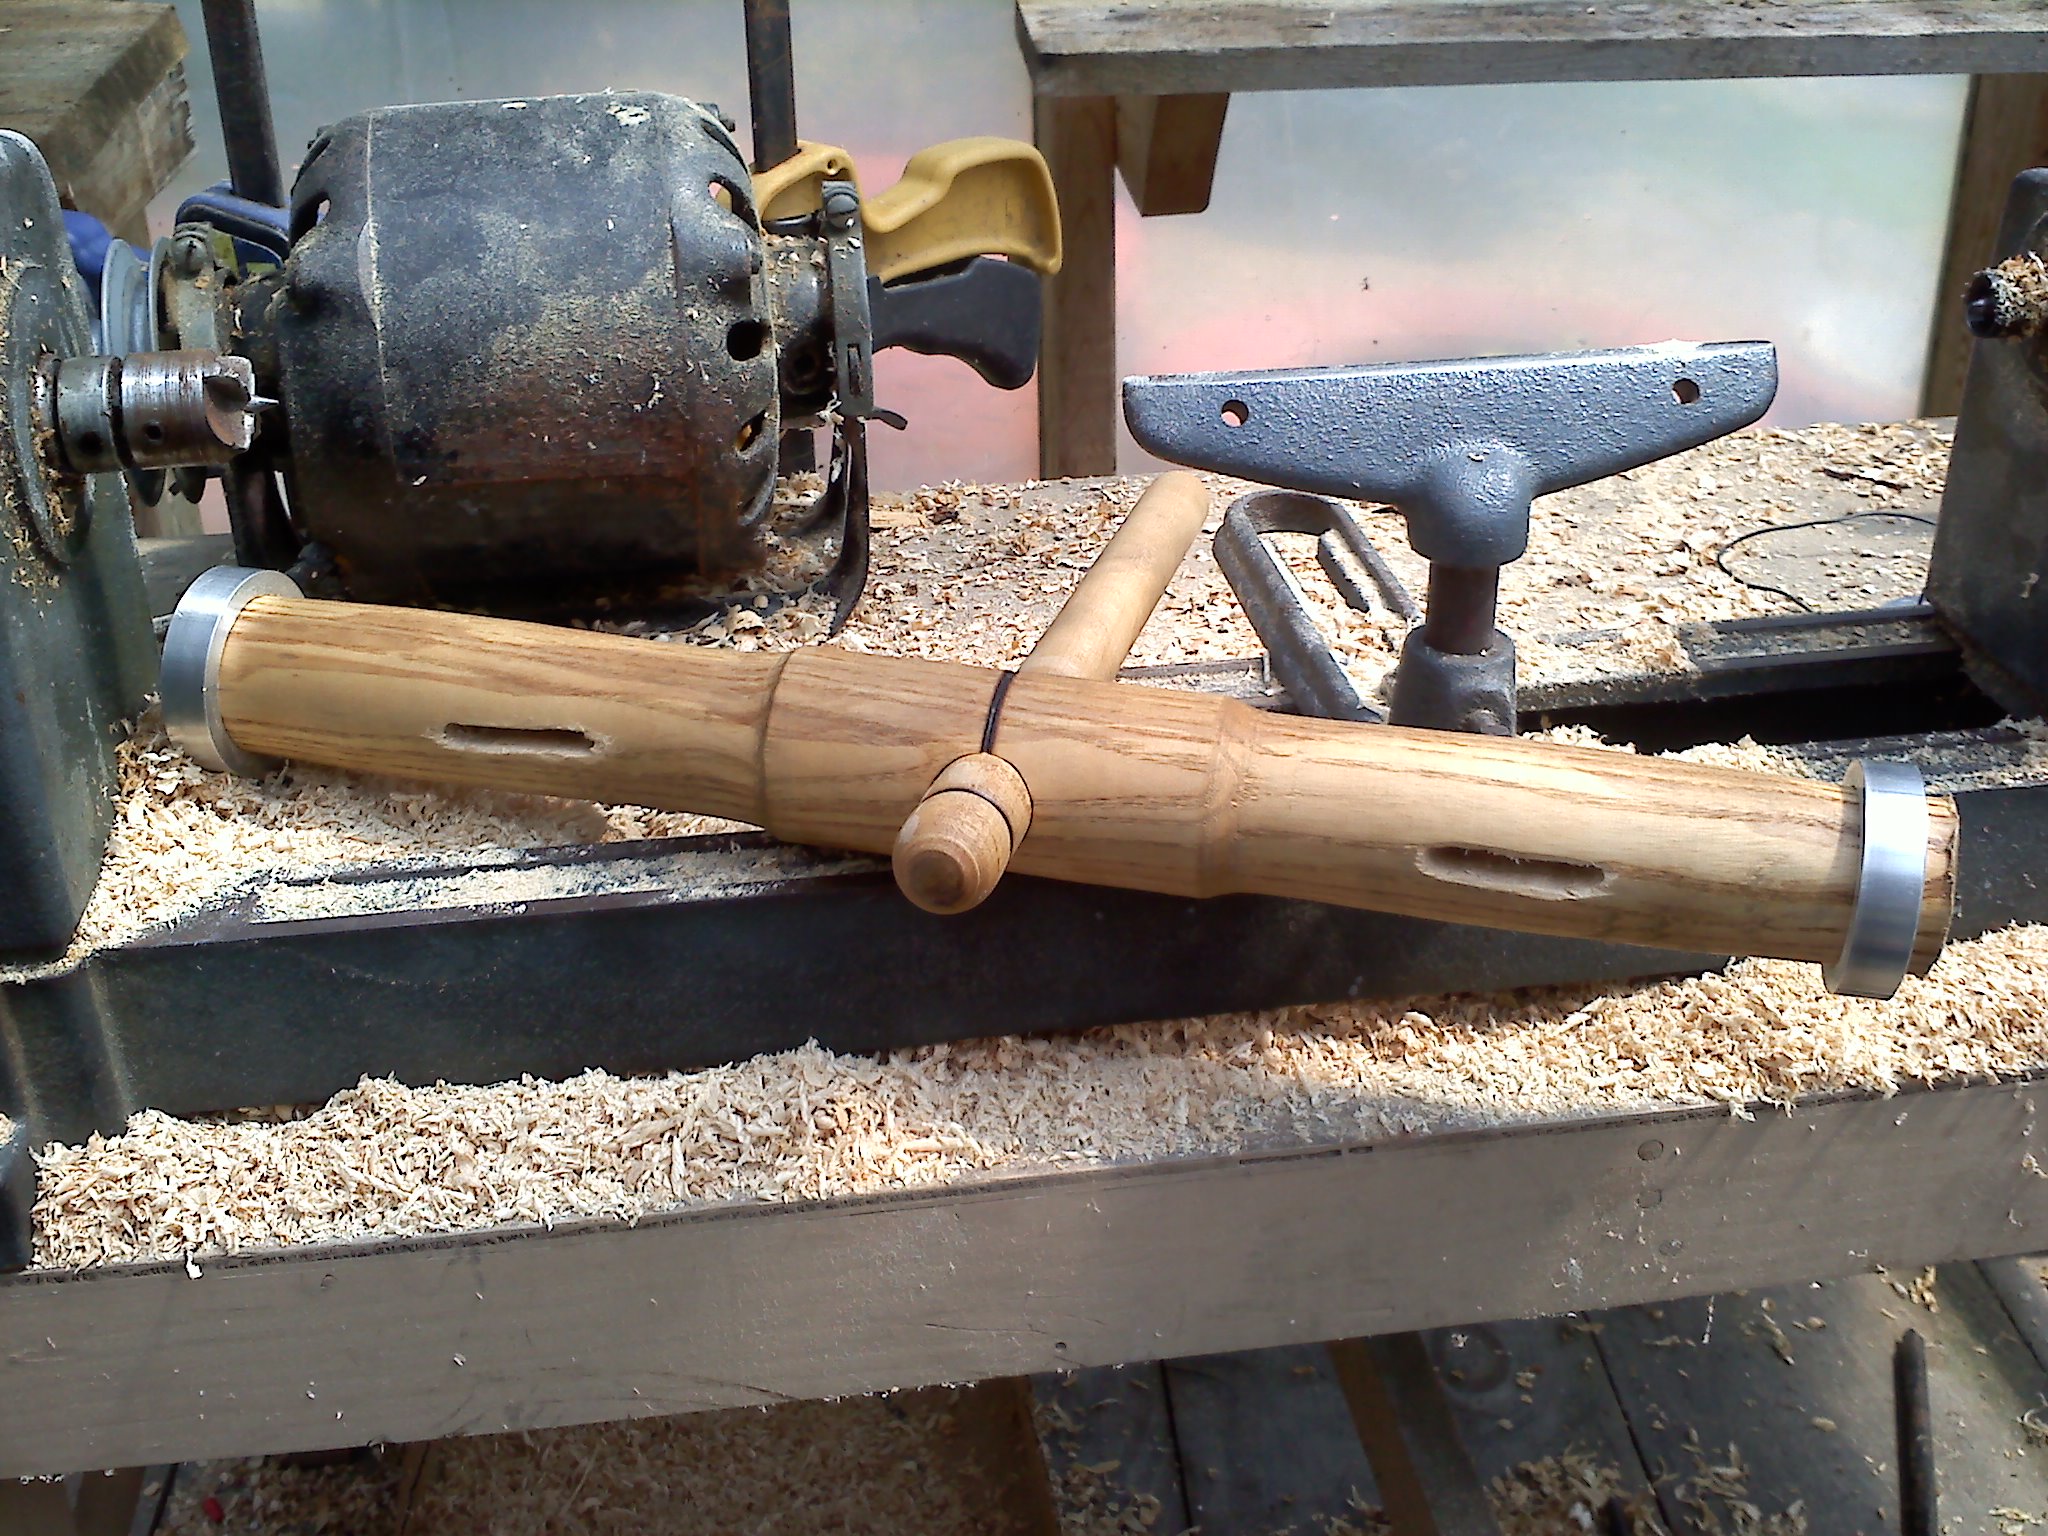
(1111, 48)
(1427, 1483)
(751, 1304)
(2005, 131)
(99, 85)
(1077, 378)
(1166, 148)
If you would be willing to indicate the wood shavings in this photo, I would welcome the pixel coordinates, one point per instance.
(867, 1464)
(1765, 1326)
(1717, 1495)
(1920, 1290)
(185, 838)
(1558, 1495)
(387, 1160)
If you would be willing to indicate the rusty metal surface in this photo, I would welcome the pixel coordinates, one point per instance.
(524, 351)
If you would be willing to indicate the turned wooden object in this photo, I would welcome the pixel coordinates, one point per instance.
(957, 843)
(1130, 786)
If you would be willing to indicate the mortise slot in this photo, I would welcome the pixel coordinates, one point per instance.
(539, 742)
(1486, 870)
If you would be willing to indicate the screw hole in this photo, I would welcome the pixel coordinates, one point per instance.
(1236, 413)
(1686, 391)
(153, 432)
(89, 442)
(745, 340)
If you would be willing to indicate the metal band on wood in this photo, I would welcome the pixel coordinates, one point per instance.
(1891, 885)
(189, 685)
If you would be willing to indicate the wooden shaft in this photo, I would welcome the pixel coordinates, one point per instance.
(1100, 622)
(1139, 787)
(955, 847)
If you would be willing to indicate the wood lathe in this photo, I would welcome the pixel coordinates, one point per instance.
(1262, 830)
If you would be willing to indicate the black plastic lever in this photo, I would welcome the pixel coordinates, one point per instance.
(984, 311)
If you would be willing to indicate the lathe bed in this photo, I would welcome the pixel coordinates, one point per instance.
(819, 1223)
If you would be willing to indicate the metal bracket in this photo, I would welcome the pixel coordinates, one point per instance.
(853, 330)
(1301, 657)
(1461, 449)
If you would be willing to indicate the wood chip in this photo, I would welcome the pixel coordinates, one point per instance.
(387, 1160)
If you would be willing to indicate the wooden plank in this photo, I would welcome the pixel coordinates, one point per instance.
(2018, 1284)
(1265, 1442)
(1077, 377)
(1799, 1379)
(1523, 1391)
(99, 85)
(2005, 131)
(1111, 1429)
(1428, 1486)
(36, 1509)
(1166, 149)
(992, 1443)
(1111, 48)
(734, 1305)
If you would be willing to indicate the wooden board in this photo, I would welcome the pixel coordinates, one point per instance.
(1265, 1442)
(746, 1305)
(1798, 1379)
(1108, 47)
(99, 85)
(1525, 1390)
(1166, 149)
(1109, 1431)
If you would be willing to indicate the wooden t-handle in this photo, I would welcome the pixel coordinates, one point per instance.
(957, 843)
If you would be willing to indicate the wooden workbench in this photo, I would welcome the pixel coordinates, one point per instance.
(1143, 89)
(752, 1304)
(1313, 1235)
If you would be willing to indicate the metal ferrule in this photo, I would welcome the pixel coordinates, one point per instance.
(1891, 886)
(189, 685)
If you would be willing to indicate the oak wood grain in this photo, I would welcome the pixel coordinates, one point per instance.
(1135, 787)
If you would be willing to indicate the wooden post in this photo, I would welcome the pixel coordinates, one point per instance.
(1166, 149)
(1077, 377)
(2005, 131)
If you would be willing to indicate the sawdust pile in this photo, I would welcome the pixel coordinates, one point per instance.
(185, 838)
(894, 1465)
(1560, 1494)
(881, 1464)
(1612, 570)
(1717, 1500)
(386, 1160)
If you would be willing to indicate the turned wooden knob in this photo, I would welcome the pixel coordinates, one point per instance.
(955, 846)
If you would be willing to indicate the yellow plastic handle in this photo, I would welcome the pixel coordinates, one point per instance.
(797, 186)
(966, 197)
